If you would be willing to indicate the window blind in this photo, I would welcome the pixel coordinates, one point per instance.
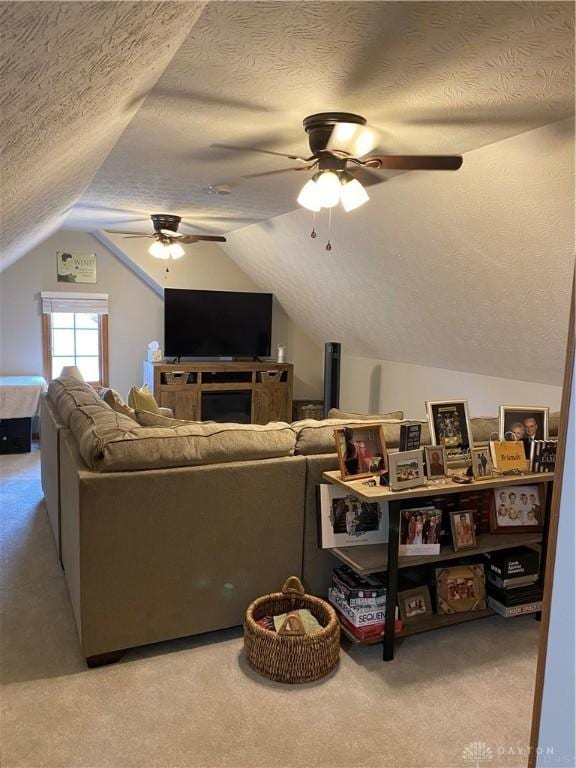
(92, 303)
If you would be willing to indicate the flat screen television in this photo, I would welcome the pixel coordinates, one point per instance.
(217, 323)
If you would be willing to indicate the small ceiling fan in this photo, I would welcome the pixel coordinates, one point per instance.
(167, 238)
(339, 146)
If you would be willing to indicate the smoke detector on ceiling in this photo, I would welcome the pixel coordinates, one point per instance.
(219, 189)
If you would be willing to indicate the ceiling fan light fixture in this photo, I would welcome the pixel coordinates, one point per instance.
(176, 251)
(159, 250)
(328, 189)
(352, 194)
(308, 197)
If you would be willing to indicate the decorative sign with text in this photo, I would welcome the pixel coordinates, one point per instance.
(75, 267)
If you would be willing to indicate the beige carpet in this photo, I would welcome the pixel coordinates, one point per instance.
(194, 703)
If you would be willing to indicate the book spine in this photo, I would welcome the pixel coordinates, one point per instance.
(359, 618)
(514, 610)
(356, 592)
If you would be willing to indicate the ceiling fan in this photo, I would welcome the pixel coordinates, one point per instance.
(340, 143)
(167, 238)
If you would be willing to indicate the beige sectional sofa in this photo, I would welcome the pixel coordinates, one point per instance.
(172, 530)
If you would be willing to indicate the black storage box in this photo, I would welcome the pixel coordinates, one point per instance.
(15, 435)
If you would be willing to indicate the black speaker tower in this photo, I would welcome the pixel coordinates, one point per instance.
(331, 376)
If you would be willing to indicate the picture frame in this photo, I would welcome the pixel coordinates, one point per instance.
(75, 267)
(450, 427)
(347, 521)
(361, 450)
(460, 589)
(420, 529)
(406, 470)
(524, 421)
(463, 529)
(415, 604)
(436, 461)
(517, 509)
(482, 468)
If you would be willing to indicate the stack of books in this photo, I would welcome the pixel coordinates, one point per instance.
(512, 581)
(543, 455)
(360, 602)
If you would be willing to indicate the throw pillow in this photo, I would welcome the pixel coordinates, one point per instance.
(114, 400)
(142, 400)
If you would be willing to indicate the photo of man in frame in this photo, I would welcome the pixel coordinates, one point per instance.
(525, 423)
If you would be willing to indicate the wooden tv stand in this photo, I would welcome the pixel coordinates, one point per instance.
(190, 389)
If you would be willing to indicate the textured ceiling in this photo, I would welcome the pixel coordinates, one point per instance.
(434, 77)
(70, 72)
(468, 271)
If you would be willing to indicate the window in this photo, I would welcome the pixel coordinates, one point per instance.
(75, 337)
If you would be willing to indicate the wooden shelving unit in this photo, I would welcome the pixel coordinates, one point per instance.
(384, 558)
(373, 558)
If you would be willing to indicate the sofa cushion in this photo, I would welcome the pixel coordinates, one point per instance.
(142, 399)
(315, 437)
(554, 424)
(147, 419)
(111, 442)
(68, 394)
(336, 413)
(115, 401)
(483, 427)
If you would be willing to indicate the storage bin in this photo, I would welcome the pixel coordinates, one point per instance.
(291, 656)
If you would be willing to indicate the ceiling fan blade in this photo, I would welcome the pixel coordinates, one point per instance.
(207, 98)
(207, 238)
(352, 138)
(415, 162)
(365, 177)
(128, 234)
(270, 173)
(263, 151)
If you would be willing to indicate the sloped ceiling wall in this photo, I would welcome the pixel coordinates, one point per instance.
(71, 77)
(467, 271)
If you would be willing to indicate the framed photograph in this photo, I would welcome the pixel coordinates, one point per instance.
(461, 588)
(450, 427)
(75, 267)
(436, 461)
(517, 508)
(463, 529)
(406, 470)
(420, 531)
(414, 604)
(361, 450)
(524, 421)
(481, 463)
(345, 520)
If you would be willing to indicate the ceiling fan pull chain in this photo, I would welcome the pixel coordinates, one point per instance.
(314, 234)
(329, 244)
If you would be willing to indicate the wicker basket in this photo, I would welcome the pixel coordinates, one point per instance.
(270, 376)
(176, 377)
(290, 655)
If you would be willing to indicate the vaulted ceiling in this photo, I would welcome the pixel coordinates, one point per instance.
(109, 111)
(110, 108)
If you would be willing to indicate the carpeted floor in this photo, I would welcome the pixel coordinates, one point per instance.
(452, 698)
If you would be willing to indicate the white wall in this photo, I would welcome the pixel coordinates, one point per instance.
(136, 305)
(135, 309)
(557, 738)
(378, 386)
